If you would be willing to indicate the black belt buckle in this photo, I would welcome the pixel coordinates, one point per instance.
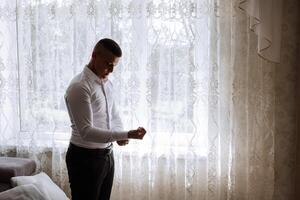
(108, 151)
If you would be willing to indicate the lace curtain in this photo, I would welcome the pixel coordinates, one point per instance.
(265, 21)
(190, 75)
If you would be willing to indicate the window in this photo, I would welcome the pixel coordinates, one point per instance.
(161, 81)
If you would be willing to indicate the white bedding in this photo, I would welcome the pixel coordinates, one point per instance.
(23, 192)
(43, 183)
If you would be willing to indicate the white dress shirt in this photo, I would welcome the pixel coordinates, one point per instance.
(95, 121)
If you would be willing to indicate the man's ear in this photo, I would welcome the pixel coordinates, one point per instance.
(93, 55)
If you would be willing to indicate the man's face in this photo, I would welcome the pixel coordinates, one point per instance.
(104, 64)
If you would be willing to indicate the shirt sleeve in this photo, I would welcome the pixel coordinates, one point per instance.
(78, 100)
(116, 121)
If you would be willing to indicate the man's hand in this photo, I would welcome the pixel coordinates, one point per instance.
(137, 134)
(122, 142)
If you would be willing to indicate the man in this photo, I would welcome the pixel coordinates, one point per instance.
(95, 125)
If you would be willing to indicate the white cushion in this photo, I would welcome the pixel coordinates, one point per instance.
(23, 192)
(45, 185)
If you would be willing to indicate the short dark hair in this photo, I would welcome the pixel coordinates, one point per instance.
(110, 45)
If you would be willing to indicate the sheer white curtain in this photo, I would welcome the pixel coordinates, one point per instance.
(265, 21)
(190, 75)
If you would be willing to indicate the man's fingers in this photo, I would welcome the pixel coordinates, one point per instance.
(123, 142)
(141, 131)
(141, 134)
(137, 134)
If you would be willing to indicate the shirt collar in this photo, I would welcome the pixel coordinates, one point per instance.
(92, 76)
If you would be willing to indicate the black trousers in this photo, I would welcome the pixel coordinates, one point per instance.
(91, 172)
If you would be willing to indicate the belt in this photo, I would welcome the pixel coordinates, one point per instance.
(74, 148)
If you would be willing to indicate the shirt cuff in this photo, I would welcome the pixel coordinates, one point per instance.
(120, 135)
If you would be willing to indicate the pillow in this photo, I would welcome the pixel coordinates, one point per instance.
(23, 192)
(42, 181)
